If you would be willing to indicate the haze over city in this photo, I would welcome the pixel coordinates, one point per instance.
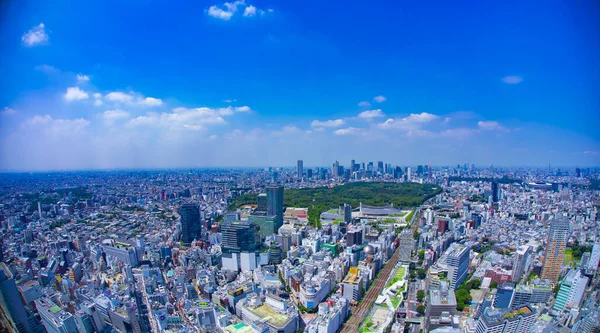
(257, 83)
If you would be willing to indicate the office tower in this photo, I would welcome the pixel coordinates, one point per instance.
(501, 321)
(261, 203)
(521, 296)
(554, 253)
(408, 174)
(309, 173)
(406, 244)
(419, 170)
(191, 227)
(571, 291)
(441, 306)
(352, 166)
(300, 169)
(442, 225)
(354, 236)
(397, 172)
(494, 192)
(594, 257)
(55, 319)
(519, 262)
(577, 172)
(504, 296)
(429, 171)
(347, 213)
(239, 246)
(275, 204)
(346, 174)
(13, 313)
(380, 166)
(238, 237)
(335, 169)
(458, 264)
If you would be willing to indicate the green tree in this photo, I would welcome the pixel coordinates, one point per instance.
(421, 273)
(420, 295)
(421, 309)
(493, 285)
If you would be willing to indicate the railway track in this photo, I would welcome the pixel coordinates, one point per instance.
(360, 312)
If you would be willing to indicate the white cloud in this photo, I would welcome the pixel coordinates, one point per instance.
(370, 114)
(8, 111)
(115, 114)
(82, 78)
(347, 131)
(149, 101)
(379, 99)
(117, 96)
(491, 126)
(459, 133)
(411, 122)
(133, 98)
(250, 11)
(288, 129)
(226, 11)
(97, 95)
(364, 104)
(75, 94)
(327, 123)
(58, 126)
(229, 100)
(35, 36)
(188, 118)
(98, 102)
(512, 79)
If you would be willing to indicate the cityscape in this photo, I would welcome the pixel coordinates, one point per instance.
(365, 247)
(278, 166)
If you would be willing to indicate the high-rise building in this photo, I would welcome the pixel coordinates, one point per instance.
(335, 169)
(494, 192)
(55, 319)
(594, 257)
(519, 262)
(352, 167)
(406, 244)
(554, 253)
(442, 306)
(571, 290)
(309, 174)
(13, 313)
(261, 203)
(238, 237)
(300, 169)
(191, 227)
(501, 321)
(347, 213)
(275, 204)
(458, 264)
(380, 166)
(504, 296)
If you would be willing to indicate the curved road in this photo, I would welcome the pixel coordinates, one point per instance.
(361, 311)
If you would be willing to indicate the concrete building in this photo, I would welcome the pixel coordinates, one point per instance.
(458, 264)
(442, 304)
(12, 310)
(274, 313)
(519, 262)
(352, 286)
(571, 291)
(554, 253)
(406, 244)
(499, 321)
(55, 319)
(191, 227)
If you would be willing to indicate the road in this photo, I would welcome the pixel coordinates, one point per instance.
(360, 312)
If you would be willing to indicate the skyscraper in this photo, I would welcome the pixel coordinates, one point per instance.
(191, 227)
(554, 253)
(238, 237)
(458, 264)
(300, 169)
(352, 163)
(347, 213)
(335, 168)
(12, 310)
(494, 192)
(275, 205)
(519, 262)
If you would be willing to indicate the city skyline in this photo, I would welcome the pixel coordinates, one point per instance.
(258, 83)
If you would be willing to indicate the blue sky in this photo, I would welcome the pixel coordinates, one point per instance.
(117, 84)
